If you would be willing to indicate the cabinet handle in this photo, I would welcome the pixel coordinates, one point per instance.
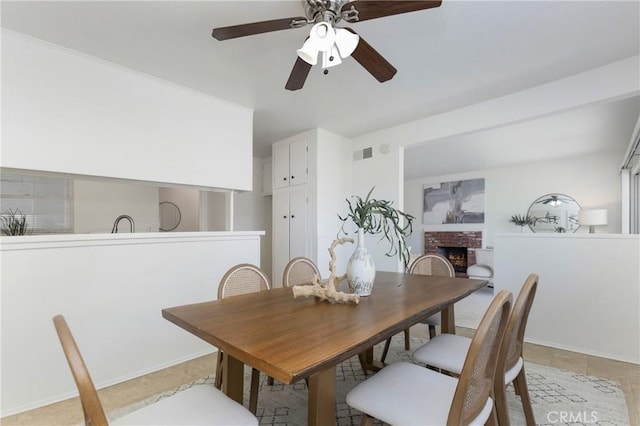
(284, 178)
(293, 177)
(292, 216)
(284, 217)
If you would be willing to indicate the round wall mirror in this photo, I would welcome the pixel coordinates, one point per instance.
(170, 216)
(554, 213)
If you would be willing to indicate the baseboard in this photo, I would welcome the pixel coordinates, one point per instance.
(583, 351)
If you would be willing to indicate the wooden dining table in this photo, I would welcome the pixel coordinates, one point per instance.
(291, 339)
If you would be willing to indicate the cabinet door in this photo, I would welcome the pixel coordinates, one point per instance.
(298, 162)
(280, 236)
(298, 226)
(280, 165)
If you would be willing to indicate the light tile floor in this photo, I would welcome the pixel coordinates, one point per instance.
(69, 412)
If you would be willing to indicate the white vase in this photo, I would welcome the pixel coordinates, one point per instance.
(361, 271)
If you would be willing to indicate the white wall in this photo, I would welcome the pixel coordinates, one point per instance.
(333, 182)
(63, 111)
(588, 297)
(111, 289)
(252, 211)
(217, 208)
(384, 171)
(188, 201)
(592, 180)
(98, 204)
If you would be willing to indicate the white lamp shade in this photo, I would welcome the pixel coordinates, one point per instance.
(346, 42)
(331, 58)
(308, 52)
(322, 36)
(592, 217)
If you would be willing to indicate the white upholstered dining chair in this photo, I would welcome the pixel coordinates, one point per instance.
(408, 394)
(448, 351)
(427, 264)
(195, 406)
(242, 279)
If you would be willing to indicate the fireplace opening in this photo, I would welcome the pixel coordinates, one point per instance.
(457, 256)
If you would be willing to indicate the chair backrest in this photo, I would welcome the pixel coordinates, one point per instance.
(432, 264)
(298, 271)
(93, 411)
(242, 279)
(514, 336)
(475, 384)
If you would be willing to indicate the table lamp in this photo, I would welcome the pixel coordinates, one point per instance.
(592, 218)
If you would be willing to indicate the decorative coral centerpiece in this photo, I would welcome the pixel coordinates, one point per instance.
(327, 291)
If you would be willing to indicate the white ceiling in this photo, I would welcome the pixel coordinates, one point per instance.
(459, 54)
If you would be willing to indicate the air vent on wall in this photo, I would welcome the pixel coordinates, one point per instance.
(363, 154)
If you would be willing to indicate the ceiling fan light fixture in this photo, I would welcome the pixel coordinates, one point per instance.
(322, 35)
(346, 42)
(331, 58)
(308, 52)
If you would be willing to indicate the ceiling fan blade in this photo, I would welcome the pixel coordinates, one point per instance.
(234, 31)
(298, 75)
(372, 61)
(377, 9)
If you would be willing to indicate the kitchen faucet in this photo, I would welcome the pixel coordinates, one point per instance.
(114, 230)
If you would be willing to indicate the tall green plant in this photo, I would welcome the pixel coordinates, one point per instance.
(380, 217)
(15, 223)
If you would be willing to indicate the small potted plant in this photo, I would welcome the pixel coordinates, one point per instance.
(523, 221)
(374, 217)
(15, 223)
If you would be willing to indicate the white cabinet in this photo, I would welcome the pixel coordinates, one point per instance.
(290, 163)
(290, 228)
(311, 181)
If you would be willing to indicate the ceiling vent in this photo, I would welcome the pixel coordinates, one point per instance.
(363, 154)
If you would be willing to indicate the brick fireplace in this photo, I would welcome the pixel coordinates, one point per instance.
(442, 242)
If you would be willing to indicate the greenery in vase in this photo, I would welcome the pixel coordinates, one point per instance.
(380, 217)
(15, 223)
(523, 220)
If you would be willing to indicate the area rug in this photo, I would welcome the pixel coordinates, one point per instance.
(469, 311)
(558, 397)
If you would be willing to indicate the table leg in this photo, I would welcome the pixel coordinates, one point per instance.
(447, 321)
(372, 364)
(322, 398)
(233, 378)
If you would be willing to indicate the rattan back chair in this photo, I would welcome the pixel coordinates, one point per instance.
(242, 279)
(511, 361)
(91, 405)
(182, 407)
(407, 393)
(432, 264)
(447, 352)
(299, 271)
(427, 264)
(476, 383)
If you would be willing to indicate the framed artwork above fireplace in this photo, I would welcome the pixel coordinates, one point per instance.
(460, 201)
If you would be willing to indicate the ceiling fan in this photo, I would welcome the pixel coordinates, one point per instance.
(329, 41)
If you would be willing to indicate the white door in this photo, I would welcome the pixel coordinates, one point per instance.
(298, 226)
(280, 237)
